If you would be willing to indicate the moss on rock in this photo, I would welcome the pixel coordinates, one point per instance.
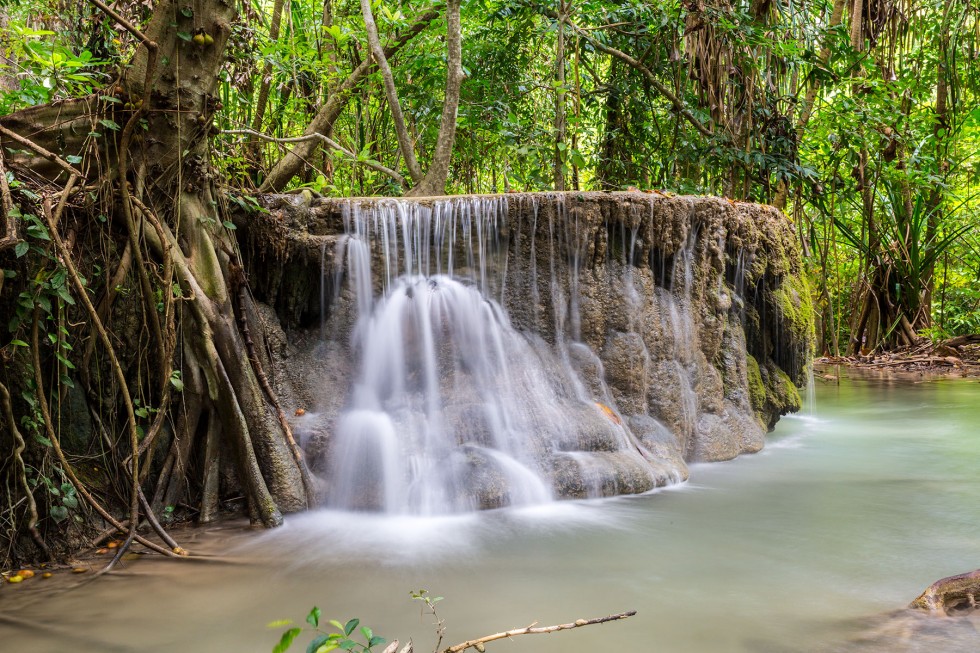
(793, 298)
(757, 389)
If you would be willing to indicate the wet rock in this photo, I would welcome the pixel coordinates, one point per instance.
(691, 316)
(627, 366)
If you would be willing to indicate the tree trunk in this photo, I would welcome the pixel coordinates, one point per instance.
(560, 126)
(164, 185)
(437, 175)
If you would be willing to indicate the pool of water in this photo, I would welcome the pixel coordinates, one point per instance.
(849, 513)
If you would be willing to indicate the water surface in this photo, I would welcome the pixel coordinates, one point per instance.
(847, 514)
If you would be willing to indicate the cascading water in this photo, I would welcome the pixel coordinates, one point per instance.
(436, 398)
(478, 352)
(452, 408)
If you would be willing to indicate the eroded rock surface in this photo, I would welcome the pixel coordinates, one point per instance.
(671, 329)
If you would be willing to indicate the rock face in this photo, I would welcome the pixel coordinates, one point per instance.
(629, 333)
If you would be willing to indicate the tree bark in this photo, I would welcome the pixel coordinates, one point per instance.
(266, 83)
(806, 111)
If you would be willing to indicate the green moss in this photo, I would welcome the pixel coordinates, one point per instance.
(793, 298)
(781, 392)
(757, 389)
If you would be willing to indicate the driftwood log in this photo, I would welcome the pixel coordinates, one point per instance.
(951, 593)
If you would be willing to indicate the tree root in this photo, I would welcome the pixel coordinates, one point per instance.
(212, 466)
(21, 470)
(66, 466)
(172, 482)
(260, 499)
(271, 397)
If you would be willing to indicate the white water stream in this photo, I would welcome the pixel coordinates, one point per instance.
(452, 409)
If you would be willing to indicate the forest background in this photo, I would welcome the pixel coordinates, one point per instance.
(858, 118)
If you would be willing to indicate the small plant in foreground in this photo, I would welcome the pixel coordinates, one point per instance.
(342, 638)
(324, 641)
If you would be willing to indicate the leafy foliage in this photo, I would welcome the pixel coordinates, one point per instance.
(345, 637)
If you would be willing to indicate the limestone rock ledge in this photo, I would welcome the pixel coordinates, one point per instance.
(692, 313)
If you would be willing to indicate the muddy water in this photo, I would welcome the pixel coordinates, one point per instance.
(847, 514)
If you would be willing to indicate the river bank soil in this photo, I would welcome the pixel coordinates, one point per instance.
(955, 357)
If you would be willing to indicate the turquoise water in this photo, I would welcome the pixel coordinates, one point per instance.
(847, 514)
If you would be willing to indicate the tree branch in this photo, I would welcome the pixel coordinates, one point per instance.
(662, 88)
(401, 131)
(374, 165)
(50, 156)
(132, 29)
(323, 122)
(534, 630)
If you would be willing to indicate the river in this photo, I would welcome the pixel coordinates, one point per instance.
(851, 510)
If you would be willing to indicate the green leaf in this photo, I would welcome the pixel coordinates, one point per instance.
(229, 225)
(347, 644)
(74, 158)
(367, 632)
(318, 641)
(336, 624)
(21, 248)
(60, 514)
(18, 343)
(314, 617)
(278, 623)
(351, 625)
(184, 36)
(375, 641)
(109, 124)
(70, 502)
(286, 640)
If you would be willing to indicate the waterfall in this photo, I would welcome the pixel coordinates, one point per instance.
(451, 407)
(488, 351)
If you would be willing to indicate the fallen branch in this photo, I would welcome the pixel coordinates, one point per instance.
(534, 630)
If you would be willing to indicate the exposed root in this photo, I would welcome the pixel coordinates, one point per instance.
(67, 467)
(270, 395)
(212, 463)
(21, 471)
